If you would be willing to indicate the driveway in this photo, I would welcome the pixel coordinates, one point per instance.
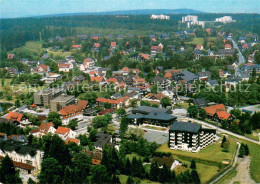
(243, 172)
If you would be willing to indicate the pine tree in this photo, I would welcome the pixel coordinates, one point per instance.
(8, 174)
(130, 180)
(246, 150)
(193, 164)
(223, 141)
(154, 172)
(128, 167)
(195, 177)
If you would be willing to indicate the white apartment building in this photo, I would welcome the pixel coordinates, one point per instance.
(190, 18)
(225, 19)
(191, 137)
(161, 17)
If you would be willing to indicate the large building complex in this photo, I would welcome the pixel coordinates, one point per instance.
(189, 18)
(225, 19)
(152, 115)
(61, 101)
(190, 136)
(44, 97)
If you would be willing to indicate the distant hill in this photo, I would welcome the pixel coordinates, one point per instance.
(133, 12)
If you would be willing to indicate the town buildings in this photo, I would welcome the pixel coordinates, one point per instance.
(161, 17)
(61, 101)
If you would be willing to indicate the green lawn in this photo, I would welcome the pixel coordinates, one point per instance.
(132, 155)
(123, 179)
(211, 153)
(227, 177)
(251, 136)
(196, 41)
(206, 172)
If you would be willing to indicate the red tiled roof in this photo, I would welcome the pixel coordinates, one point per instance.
(97, 79)
(228, 46)
(96, 162)
(113, 44)
(145, 56)
(94, 37)
(64, 65)
(96, 45)
(125, 69)
(76, 46)
(245, 46)
(68, 140)
(43, 128)
(168, 75)
(212, 110)
(157, 48)
(21, 165)
(2, 134)
(106, 111)
(44, 67)
(72, 109)
(199, 46)
(223, 115)
(88, 60)
(62, 130)
(105, 100)
(113, 80)
(15, 116)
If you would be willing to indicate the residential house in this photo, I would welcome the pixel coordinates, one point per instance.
(43, 129)
(228, 46)
(102, 140)
(120, 102)
(10, 56)
(79, 79)
(113, 45)
(41, 69)
(17, 119)
(199, 47)
(65, 67)
(65, 133)
(200, 102)
(96, 47)
(168, 161)
(73, 112)
(76, 46)
(217, 112)
(25, 158)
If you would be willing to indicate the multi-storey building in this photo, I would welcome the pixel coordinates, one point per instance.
(24, 157)
(189, 18)
(44, 97)
(161, 17)
(190, 136)
(61, 101)
(225, 19)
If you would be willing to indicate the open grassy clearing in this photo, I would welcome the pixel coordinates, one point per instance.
(211, 153)
(227, 177)
(196, 41)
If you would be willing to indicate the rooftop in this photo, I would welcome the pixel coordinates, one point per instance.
(185, 127)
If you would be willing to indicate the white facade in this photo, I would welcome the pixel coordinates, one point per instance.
(225, 19)
(78, 117)
(190, 18)
(34, 161)
(161, 17)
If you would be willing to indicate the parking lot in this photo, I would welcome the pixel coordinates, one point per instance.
(159, 137)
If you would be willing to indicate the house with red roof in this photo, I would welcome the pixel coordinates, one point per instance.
(120, 102)
(155, 50)
(17, 119)
(95, 47)
(65, 67)
(73, 112)
(97, 79)
(199, 47)
(245, 46)
(228, 46)
(111, 80)
(125, 71)
(144, 57)
(88, 63)
(217, 112)
(64, 133)
(113, 45)
(76, 46)
(168, 75)
(10, 56)
(43, 129)
(72, 140)
(41, 69)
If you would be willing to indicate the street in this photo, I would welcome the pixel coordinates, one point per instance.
(241, 58)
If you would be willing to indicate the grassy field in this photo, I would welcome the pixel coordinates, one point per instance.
(182, 105)
(155, 128)
(59, 53)
(196, 41)
(251, 136)
(211, 153)
(17, 89)
(209, 169)
(227, 177)
(123, 179)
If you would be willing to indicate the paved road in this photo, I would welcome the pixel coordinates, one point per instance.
(241, 58)
(219, 129)
(227, 171)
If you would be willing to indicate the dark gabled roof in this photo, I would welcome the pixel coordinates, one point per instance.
(147, 110)
(226, 51)
(213, 82)
(157, 79)
(168, 161)
(185, 127)
(102, 140)
(200, 102)
(188, 76)
(18, 148)
(160, 116)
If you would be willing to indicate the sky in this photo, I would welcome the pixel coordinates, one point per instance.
(23, 8)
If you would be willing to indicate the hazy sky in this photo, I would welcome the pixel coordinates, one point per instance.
(20, 8)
